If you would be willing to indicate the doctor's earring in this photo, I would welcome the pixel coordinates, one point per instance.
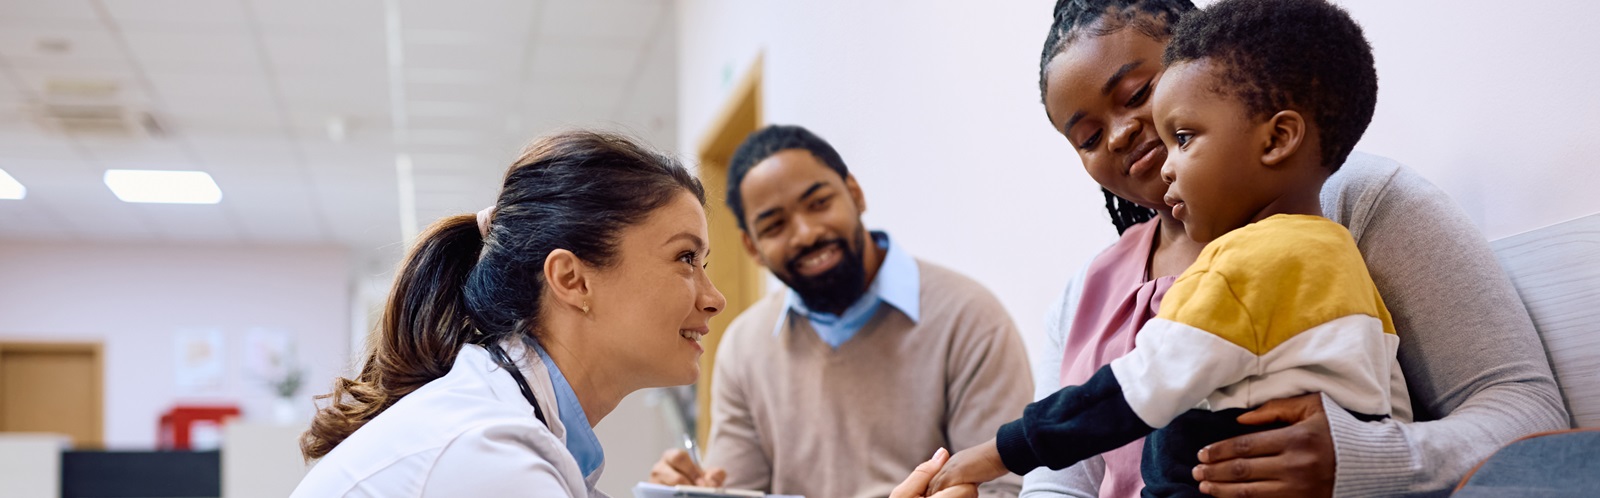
(585, 307)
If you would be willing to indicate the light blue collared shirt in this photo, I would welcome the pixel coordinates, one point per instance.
(899, 283)
(581, 441)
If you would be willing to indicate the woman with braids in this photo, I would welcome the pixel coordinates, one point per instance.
(508, 335)
(1477, 376)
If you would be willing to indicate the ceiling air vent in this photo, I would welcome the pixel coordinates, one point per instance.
(90, 108)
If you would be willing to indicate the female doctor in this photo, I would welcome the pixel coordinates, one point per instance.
(510, 334)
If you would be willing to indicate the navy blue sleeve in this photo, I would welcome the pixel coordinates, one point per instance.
(1075, 423)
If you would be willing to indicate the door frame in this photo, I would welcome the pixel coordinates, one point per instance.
(735, 273)
(97, 351)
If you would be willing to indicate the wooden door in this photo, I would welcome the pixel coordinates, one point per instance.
(733, 272)
(52, 387)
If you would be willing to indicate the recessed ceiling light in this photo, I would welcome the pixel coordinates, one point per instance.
(10, 188)
(164, 187)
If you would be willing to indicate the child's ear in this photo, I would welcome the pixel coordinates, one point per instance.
(1286, 132)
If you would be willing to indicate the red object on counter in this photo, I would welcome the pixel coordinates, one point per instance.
(177, 423)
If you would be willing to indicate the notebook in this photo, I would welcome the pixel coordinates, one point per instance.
(649, 490)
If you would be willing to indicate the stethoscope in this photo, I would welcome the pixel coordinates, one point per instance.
(499, 356)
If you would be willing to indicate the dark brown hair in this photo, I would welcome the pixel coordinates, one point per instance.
(575, 191)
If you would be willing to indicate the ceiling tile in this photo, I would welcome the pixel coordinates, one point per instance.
(152, 154)
(650, 105)
(202, 15)
(446, 137)
(456, 205)
(55, 13)
(207, 94)
(9, 92)
(359, 128)
(254, 112)
(470, 182)
(277, 209)
(584, 61)
(496, 123)
(613, 20)
(318, 15)
(503, 92)
(455, 76)
(363, 214)
(46, 180)
(219, 152)
(439, 162)
(80, 43)
(503, 56)
(31, 144)
(29, 219)
(360, 101)
(334, 161)
(37, 79)
(452, 109)
(327, 54)
(191, 222)
(231, 52)
(261, 122)
(82, 203)
(494, 16)
(563, 92)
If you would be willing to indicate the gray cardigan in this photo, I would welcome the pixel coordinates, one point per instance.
(1474, 365)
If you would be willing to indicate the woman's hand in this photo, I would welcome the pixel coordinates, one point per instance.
(1293, 461)
(918, 481)
(676, 468)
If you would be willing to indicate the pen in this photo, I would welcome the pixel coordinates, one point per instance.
(688, 444)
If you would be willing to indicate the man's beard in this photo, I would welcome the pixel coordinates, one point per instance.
(834, 290)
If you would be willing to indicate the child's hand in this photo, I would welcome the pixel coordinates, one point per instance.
(976, 465)
(914, 484)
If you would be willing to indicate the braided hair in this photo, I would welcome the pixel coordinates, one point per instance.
(1074, 18)
(1124, 213)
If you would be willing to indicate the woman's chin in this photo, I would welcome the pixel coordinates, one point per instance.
(684, 377)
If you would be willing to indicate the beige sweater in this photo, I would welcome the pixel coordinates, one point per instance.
(789, 415)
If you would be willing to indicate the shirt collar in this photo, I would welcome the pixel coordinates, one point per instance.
(581, 440)
(898, 283)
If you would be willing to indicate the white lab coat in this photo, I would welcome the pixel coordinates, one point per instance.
(469, 433)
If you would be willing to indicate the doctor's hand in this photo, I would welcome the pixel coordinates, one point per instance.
(914, 484)
(1297, 460)
(976, 465)
(676, 468)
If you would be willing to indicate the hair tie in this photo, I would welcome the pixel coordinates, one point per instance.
(483, 221)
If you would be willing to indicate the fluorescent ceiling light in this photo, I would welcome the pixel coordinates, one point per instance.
(165, 187)
(10, 188)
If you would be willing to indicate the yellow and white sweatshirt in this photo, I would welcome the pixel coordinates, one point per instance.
(1277, 308)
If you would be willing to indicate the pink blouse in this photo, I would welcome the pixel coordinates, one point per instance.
(1116, 299)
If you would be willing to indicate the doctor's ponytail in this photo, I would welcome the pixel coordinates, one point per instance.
(424, 324)
(575, 191)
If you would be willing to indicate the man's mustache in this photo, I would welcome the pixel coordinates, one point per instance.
(794, 262)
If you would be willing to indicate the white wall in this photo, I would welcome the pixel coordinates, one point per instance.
(1492, 101)
(935, 106)
(134, 298)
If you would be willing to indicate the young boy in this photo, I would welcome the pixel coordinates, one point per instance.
(1261, 101)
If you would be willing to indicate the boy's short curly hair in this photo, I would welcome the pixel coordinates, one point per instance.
(1274, 55)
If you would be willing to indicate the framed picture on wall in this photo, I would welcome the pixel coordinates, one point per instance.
(198, 360)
